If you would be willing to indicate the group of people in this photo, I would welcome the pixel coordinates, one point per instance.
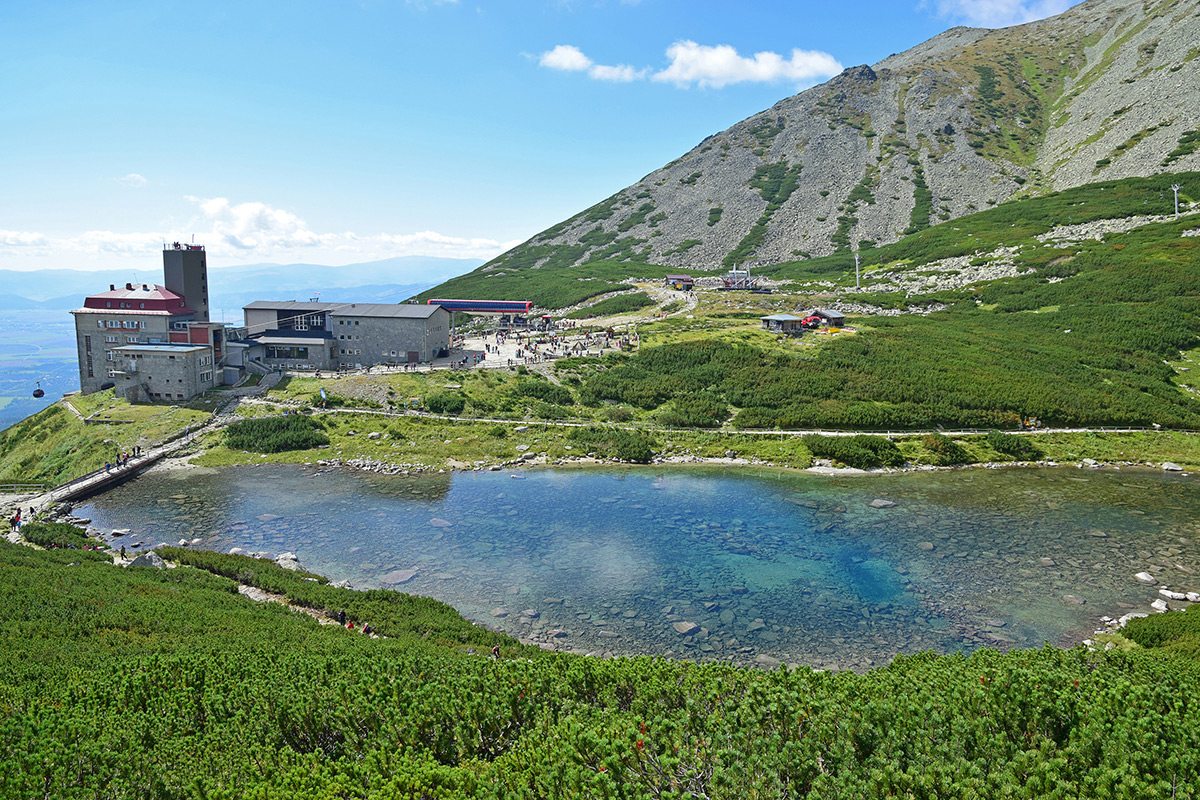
(123, 459)
(348, 624)
(19, 519)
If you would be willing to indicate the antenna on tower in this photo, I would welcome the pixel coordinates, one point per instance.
(1175, 189)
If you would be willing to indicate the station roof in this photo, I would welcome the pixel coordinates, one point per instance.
(783, 318)
(290, 340)
(396, 310)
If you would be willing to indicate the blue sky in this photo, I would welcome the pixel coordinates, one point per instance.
(335, 132)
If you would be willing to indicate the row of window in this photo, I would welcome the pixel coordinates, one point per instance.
(349, 336)
(131, 324)
(351, 352)
(347, 322)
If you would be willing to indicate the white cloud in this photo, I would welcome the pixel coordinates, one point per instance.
(236, 232)
(621, 73)
(253, 225)
(721, 65)
(711, 66)
(565, 57)
(21, 239)
(569, 58)
(1000, 13)
(133, 179)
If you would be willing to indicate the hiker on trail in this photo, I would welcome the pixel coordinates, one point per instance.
(106, 466)
(496, 652)
(367, 631)
(341, 617)
(122, 552)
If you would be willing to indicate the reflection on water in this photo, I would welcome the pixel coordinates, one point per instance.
(764, 564)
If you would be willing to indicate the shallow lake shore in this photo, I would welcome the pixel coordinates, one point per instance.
(746, 565)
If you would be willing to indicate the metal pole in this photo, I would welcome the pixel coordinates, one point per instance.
(857, 283)
(1175, 189)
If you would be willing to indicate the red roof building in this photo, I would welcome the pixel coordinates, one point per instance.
(138, 297)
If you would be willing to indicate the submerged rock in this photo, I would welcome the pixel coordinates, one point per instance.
(1146, 578)
(398, 576)
(685, 628)
(879, 502)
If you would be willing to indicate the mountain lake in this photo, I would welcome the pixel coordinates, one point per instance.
(742, 565)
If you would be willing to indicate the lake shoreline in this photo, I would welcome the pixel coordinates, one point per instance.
(799, 530)
(383, 467)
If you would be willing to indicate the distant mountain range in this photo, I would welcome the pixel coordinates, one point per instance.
(390, 280)
(967, 120)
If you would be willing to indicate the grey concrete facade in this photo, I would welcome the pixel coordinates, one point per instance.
(185, 272)
(319, 336)
(98, 334)
(148, 373)
(367, 339)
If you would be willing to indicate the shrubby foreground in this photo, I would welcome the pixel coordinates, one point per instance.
(167, 684)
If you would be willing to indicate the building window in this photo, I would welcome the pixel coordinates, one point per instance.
(110, 339)
(99, 323)
(287, 352)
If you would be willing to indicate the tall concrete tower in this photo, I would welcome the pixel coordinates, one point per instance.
(185, 272)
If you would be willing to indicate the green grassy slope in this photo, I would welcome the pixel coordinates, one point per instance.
(1081, 338)
(54, 445)
(166, 684)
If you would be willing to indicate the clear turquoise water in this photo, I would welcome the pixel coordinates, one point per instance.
(791, 566)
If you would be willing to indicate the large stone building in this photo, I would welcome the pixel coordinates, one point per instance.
(163, 372)
(296, 335)
(116, 331)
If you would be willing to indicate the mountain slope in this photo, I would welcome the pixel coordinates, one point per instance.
(964, 121)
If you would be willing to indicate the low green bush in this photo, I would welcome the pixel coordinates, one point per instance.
(275, 434)
(619, 304)
(445, 403)
(1179, 630)
(694, 411)
(944, 451)
(862, 452)
(615, 443)
(1020, 448)
(544, 390)
(53, 535)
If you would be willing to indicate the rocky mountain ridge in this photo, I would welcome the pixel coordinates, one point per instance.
(962, 122)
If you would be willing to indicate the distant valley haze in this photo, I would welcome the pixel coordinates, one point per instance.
(389, 280)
